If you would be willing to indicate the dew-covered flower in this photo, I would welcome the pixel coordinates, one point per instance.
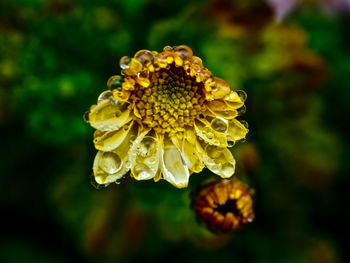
(165, 117)
(224, 206)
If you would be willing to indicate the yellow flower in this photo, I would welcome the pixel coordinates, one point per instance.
(224, 206)
(165, 117)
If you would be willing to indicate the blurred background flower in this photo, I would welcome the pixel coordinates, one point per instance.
(56, 57)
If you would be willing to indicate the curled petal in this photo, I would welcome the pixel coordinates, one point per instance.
(174, 169)
(144, 156)
(109, 141)
(236, 130)
(208, 134)
(108, 115)
(219, 160)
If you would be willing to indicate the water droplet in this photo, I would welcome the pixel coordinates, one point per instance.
(110, 162)
(86, 116)
(115, 82)
(147, 146)
(196, 60)
(124, 62)
(245, 124)
(117, 113)
(117, 181)
(219, 125)
(144, 56)
(96, 184)
(242, 95)
(141, 171)
(213, 152)
(104, 95)
(230, 144)
(242, 110)
(184, 52)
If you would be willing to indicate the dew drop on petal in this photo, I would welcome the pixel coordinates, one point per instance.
(141, 171)
(148, 146)
(242, 110)
(96, 184)
(245, 124)
(213, 151)
(230, 144)
(219, 125)
(242, 95)
(104, 95)
(115, 82)
(110, 162)
(144, 56)
(124, 62)
(183, 52)
(196, 60)
(86, 116)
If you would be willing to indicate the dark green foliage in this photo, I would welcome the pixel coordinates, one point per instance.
(55, 59)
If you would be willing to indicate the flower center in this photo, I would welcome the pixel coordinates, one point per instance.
(230, 206)
(172, 101)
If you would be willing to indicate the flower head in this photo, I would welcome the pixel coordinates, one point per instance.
(224, 206)
(165, 117)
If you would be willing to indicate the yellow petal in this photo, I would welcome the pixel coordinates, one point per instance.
(190, 155)
(220, 89)
(208, 134)
(236, 130)
(219, 160)
(107, 167)
(108, 115)
(104, 170)
(173, 166)
(108, 141)
(233, 100)
(221, 109)
(144, 157)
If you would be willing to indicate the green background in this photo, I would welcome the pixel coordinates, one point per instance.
(55, 59)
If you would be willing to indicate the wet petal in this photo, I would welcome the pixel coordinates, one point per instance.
(108, 115)
(144, 156)
(236, 130)
(234, 100)
(104, 169)
(173, 166)
(222, 109)
(220, 89)
(208, 134)
(108, 141)
(219, 160)
(190, 155)
(107, 167)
